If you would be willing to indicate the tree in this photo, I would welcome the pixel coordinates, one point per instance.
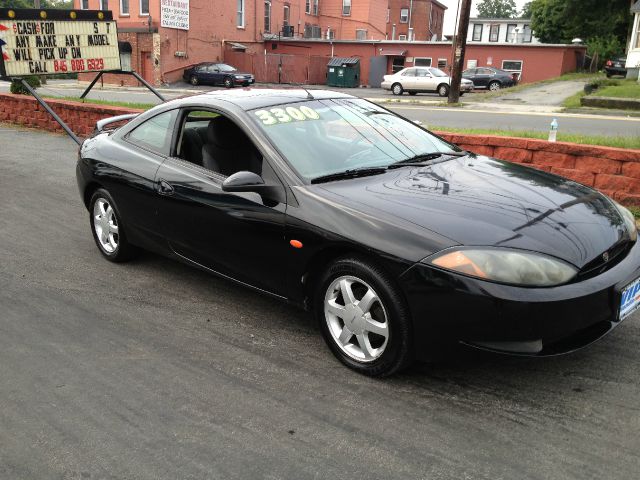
(560, 21)
(604, 26)
(497, 9)
(64, 4)
(526, 11)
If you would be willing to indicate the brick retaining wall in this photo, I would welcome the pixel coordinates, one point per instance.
(613, 171)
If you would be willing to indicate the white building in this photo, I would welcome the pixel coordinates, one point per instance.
(633, 52)
(500, 30)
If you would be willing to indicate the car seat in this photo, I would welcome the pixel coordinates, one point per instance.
(228, 150)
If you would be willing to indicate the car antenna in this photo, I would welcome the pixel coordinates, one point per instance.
(300, 85)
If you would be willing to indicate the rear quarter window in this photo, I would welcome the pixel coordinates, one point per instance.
(155, 133)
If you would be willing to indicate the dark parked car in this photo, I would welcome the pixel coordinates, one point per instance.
(217, 74)
(401, 243)
(616, 66)
(490, 78)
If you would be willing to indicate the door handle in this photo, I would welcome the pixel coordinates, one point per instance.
(164, 188)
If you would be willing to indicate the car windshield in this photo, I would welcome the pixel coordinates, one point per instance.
(325, 137)
(226, 68)
(436, 72)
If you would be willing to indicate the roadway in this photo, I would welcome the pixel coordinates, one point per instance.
(475, 115)
(154, 370)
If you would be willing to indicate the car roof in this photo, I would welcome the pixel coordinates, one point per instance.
(250, 98)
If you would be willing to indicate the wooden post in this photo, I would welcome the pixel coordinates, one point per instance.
(460, 47)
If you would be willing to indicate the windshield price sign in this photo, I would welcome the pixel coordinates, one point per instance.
(46, 42)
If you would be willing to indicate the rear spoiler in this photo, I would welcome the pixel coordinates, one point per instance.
(100, 124)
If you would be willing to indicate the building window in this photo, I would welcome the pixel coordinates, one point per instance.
(331, 34)
(513, 66)
(285, 15)
(477, 32)
(240, 14)
(638, 36)
(494, 32)
(402, 38)
(422, 62)
(144, 7)
(510, 33)
(404, 15)
(526, 34)
(104, 5)
(361, 34)
(346, 7)
(312, 31)
(84, 4)
(442, 63)
(124, 7)
(315, 8)
(267, 17)
(307, 6)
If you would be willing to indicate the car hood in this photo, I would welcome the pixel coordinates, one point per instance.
(475, 200)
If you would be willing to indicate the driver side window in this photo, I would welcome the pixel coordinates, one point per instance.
(213, 141)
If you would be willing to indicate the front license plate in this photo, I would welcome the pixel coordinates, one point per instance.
(630, 299)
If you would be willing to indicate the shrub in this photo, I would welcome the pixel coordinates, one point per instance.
(594, 85)
(17, 87)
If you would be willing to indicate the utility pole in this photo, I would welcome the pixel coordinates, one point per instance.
(460, 42)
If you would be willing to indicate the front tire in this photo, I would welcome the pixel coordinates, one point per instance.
(443, 90)
(363, 317)
(228, 83)
(397, 89)
(107, 229)
(194, 80)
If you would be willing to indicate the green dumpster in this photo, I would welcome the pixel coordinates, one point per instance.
(343, 72)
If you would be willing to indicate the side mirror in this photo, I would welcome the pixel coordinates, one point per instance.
(250, 182)
(243, 182)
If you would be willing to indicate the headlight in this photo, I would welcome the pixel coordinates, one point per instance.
(507, 266)
(629, 220)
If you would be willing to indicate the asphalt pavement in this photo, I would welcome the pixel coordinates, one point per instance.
(516, 112)
(154, 370)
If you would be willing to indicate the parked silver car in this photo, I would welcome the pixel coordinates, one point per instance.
(422, 79)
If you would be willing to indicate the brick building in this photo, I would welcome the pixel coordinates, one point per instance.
(419, 20)
(160, 54)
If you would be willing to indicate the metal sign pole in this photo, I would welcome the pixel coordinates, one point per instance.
(55, 116)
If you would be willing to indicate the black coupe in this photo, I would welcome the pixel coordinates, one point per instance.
(400, 243)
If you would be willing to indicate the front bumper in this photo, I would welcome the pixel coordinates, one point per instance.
(467, 87)
(385, 85)
(244, 81)
(447, 307)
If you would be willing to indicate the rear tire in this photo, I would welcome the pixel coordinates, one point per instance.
(443, 90)
(368, 327)
(397, 89)
(494, 86)
(107, 228)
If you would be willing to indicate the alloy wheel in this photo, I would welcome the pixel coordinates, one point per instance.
(356, 318)
(105, 224)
